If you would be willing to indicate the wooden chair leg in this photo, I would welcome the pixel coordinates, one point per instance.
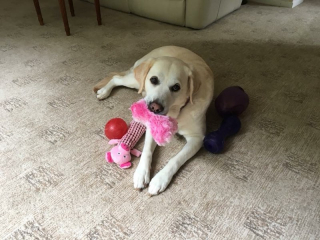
(64, 16)
(97, 5)
(38, 10)
(71, 7)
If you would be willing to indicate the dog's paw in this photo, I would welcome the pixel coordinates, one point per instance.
(159, 183)
(103, 93)
(141, 177)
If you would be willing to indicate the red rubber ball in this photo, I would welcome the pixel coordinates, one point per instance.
(115, 128)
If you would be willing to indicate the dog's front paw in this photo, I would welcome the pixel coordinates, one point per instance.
(159, 183)
(141, 177)
(103, 93)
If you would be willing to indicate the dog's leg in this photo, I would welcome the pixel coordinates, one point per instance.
(127, 80)
(162, 179)
(106, 80)
(141, 176)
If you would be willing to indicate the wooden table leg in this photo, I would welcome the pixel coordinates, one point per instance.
(64, 16)
(97, 5)
(71, 7)
(38, 10)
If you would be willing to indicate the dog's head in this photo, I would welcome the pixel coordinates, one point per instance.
(167, 83)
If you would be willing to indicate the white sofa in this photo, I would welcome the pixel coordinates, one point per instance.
(195, 14)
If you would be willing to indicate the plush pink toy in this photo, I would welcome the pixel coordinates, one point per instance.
(162, 127)
(120, 154)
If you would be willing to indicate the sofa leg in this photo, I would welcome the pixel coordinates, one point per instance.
(71, 7)
(38, 10)
(64, 16)
(97, 6)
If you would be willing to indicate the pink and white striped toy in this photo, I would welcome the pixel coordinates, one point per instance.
(120, 154)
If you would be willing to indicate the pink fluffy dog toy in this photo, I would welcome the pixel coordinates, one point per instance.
(121, 154)
(162, 127)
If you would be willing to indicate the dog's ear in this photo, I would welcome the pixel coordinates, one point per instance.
(192, 84)
(191, 87)
(141, 71)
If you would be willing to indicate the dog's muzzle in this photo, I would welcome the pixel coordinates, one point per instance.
(155, 107)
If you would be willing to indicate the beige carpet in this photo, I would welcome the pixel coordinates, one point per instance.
(54, 181)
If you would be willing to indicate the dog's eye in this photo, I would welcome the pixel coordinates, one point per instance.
(154, 80)
(175, 88)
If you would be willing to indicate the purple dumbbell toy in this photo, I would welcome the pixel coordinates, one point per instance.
(230, 103)
(214, 141)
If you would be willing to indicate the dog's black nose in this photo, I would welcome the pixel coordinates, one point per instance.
(156, 107)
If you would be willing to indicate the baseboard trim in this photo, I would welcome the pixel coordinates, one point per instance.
(296, 3)
(280, 3)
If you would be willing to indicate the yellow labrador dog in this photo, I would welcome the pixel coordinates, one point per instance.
(175, 82)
